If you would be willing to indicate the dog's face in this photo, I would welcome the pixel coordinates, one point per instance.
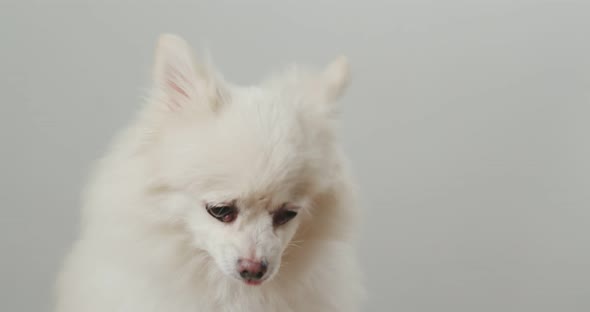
(239, 167)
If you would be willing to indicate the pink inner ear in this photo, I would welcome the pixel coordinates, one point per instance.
(174, 82)
(177, 88)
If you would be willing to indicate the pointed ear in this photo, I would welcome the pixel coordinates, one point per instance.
(179, 80)
(335, 78)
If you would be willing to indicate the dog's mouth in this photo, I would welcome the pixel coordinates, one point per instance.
(254, 282)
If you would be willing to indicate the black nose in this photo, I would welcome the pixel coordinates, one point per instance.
(252, 270)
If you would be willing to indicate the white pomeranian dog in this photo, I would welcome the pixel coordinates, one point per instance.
(220, 198)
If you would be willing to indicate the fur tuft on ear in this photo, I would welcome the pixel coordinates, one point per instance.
(179, 79)
(336, 77)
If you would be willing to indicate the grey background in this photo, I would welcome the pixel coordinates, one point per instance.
(467, 123)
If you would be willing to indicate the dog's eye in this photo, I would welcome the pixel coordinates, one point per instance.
(283, 216)
(224, 213)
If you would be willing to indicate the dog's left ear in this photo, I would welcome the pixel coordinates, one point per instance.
(335, 78)
(181, 82)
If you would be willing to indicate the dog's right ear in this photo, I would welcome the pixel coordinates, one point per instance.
(335, 78)
(180, 82)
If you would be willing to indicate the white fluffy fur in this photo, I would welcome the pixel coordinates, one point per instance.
(147, 243)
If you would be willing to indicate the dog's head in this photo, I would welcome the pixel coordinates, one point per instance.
(239, 166)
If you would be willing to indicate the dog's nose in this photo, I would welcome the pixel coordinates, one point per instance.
(252, 270)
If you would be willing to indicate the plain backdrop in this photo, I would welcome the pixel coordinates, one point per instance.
(467, 122)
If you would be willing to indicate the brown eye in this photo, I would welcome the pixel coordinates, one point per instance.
(223, 213)
(283, 216)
